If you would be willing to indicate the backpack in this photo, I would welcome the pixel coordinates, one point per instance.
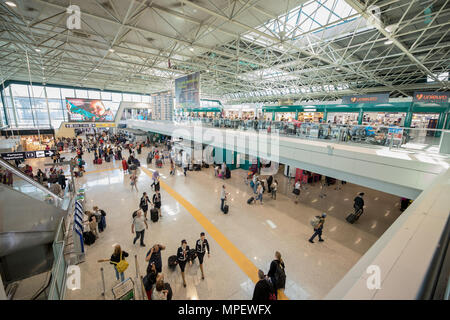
(134, 214)
(315, 221)
(280, 277)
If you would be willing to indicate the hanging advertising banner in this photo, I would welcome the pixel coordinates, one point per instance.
(187, 91)
(89, 110)
(366, 98)
(432, 97)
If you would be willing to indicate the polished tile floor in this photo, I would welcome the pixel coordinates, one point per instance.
(255, 230)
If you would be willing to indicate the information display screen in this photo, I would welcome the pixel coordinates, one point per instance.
(187, 91)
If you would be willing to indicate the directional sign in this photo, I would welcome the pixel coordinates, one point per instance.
(27, 154)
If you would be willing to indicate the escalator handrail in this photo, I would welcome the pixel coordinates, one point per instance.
(22, 175)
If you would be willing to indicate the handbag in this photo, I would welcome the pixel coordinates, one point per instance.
(122, 265)
(296, 192)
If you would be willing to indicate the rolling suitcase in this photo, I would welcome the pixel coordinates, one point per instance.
(159, 163)
(108, 159)
(172, 262)
(192, 255)
(227, 173)
(351, 218)
(225, 209)
(154, 215)
(99, 161)
(250, 200)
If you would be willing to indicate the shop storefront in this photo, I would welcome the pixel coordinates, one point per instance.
(384, 118)
(310, 117)
(343, 117)
(36, 142)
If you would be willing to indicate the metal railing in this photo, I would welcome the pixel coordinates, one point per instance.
(59, 269)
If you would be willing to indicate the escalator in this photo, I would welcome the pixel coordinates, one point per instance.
(29, 217)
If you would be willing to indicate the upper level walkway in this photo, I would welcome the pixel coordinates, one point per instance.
(393, 168)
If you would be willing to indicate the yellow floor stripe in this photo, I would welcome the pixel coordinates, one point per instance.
(241, 260)
(101, 170)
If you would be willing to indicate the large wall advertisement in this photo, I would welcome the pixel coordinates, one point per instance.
(88, 110)
(187, 91)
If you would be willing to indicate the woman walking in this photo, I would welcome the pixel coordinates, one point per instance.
(133, 181)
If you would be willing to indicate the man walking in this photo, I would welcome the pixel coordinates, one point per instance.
(139, 225)
(318, 229)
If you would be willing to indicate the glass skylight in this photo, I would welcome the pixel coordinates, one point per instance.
(315, 16)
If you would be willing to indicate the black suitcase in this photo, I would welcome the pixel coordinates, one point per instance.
(351, 218)
(250, 200)
(192, 255)
(137, 163)
(154, 215)
(225, 209)
(172, 262)
(88, 238)
(108, 159)
(227, 174)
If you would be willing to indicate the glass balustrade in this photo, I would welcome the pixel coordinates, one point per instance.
(16, 179)
(396, 138)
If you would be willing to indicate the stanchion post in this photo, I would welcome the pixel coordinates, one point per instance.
(103, 283)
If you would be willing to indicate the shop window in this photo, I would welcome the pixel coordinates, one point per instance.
(136, 98)
(146, 98)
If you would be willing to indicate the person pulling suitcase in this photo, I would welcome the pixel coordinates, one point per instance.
(157, 201)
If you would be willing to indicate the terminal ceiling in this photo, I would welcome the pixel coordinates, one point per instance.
(245, 50)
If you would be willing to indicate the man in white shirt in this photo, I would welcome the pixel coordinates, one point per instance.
(139, 225)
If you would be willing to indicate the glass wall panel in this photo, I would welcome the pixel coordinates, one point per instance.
(106, 95)
(94, 94)
(53, 93)
(67, 93)
(116, 97)
(127, 97)
(81, 94)
(19, 90)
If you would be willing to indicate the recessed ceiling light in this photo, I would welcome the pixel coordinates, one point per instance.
(96, 69)
(388, 42)
(191, 48)
(111, 50)
(11, 4)
(37, 50)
